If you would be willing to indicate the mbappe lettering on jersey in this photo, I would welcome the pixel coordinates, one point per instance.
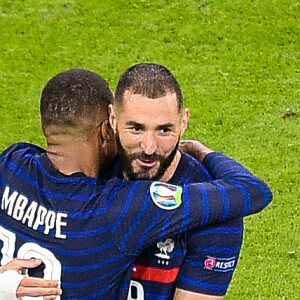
(32, 214)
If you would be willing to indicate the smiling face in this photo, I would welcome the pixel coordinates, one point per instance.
(148, 131)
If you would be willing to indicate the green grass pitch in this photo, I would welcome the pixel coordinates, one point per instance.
(238, 64)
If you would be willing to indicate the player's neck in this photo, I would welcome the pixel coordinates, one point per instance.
(70, 157)
(172, 168)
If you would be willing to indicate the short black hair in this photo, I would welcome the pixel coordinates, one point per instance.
(74, 95)
(150, 80)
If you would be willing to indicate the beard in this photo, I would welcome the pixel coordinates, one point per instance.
(144, 172)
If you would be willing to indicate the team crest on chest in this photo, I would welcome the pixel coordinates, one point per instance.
(166, 196)
(164, 247)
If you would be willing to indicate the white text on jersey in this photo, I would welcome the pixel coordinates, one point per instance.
(17, 206)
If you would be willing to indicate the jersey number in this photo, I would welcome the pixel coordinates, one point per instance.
(136, 291)
(52, 269)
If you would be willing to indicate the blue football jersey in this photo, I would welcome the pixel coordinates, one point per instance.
(201, 261)
(88, 232)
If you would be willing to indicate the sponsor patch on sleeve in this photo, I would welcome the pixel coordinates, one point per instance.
(166, 196)
(220, 264)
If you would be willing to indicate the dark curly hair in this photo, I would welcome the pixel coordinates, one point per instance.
(74, 95)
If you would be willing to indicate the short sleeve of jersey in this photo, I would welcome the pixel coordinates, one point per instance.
(211, 258)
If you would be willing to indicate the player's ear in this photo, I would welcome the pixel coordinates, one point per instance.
(107, 132)
(109, 145)
(185, 120)
(112, 117)
(42, 129)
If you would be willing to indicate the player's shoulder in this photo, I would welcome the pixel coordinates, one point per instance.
(188, 159)
(22, 149)
(191, 169)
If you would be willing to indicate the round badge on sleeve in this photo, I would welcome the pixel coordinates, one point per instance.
(166, 196)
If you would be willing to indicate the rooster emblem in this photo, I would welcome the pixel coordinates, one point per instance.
(165, 247)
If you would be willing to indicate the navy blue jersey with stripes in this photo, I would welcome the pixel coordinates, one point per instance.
(88, 232)
(200, 261)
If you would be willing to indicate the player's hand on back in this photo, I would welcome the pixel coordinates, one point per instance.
(31, 286)
(195, 149)
(20, 265)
